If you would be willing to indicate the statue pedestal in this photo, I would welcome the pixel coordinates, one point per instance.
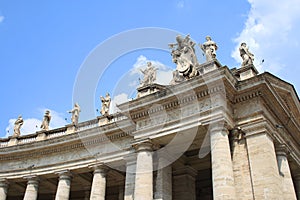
(70, 128)
(41, 135)
(102, 120)
(149, 89)
(12, 141)
(208, 66)
(246, 72)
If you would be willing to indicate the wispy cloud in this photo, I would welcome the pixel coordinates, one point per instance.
(271, 32)
(1, 18)
(31, 125)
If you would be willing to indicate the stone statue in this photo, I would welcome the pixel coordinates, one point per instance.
(75, 114)
(18, 123)
(246, 55)
(209, 48)
(183, 55)
(46, 121)
(149, 74)
(105, 104)
(177, 78)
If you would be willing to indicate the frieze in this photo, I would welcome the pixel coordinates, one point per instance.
(248, 97)
(179, 102)
(69, 147)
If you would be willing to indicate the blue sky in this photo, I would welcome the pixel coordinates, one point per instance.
(44, 44)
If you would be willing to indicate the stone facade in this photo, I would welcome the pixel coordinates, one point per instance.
(219, 135)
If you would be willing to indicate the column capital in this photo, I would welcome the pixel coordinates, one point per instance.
(64, 175)
(32, 179)
(281, 150)
(99, 168)
(146, 145)
(220, 125)
(4, 182)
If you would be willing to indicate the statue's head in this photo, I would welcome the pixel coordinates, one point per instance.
(178, 38)
(20, 116)
(47, 112)
(208, 38)
(149, 64)
(107, 94)
(243, 44)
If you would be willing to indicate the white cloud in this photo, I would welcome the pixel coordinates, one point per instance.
(180, 4)
(117, 100)
(31, 125)
(1, 18)
(271, 33)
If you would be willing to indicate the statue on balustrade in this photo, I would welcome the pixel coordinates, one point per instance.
(149, 74)
(246, 55)
(177, 78)
(46, 121)
(209, 48)
(105, 104)
(18, 123)
(75, 114)
(183, 55)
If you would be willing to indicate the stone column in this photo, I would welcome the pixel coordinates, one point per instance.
(144, 172)
(130, 178)
(32, 188)
(297, 185)
(221, 164)
(163, 181)
(64, 185)
(121, 193)
(3, 189)
(184, 183)
(285, 173)
(263, 166)
(99, 183)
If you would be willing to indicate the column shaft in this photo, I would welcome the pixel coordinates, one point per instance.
(222, 173)
(285, 173)
(144, 173)
(129, 180)
(31, 192)
(297, 185)
(3, 189)
(99, 183)
(64, 186)
(263, 166)
(163, 184)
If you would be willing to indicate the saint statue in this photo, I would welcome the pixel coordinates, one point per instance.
(18, 123)
(105, 104)
(46, 121)
(177, 78)
(183, 55)
(149, 74)
(246, 55)
(75, 114)
(209, 48)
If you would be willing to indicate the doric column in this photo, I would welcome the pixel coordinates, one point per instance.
(285, 173)
(163, 181)
(121, 193)
(130, 177)
(99, 183)
(32, 188)
(3, 189)
(184, 183)
(144, 172)
(221, 164)
(64, 185)
(263, 165)
(297, 184)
